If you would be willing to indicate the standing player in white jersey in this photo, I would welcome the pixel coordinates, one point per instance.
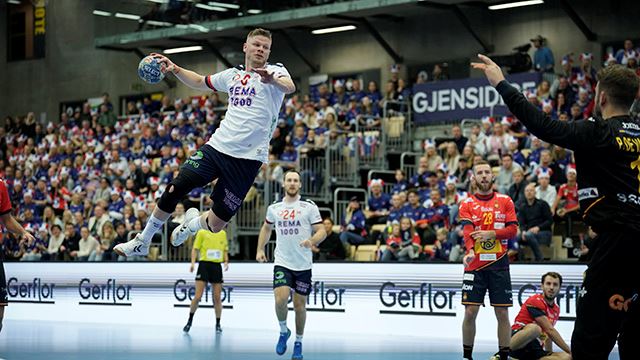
(235, 151)
(298, 228)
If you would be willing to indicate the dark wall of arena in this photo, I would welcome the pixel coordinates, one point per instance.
(73, 69)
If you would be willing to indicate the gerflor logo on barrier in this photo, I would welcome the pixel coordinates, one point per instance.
(184, 293)
(422, 300)
(323, 298)
(34, 292)
(109, 293)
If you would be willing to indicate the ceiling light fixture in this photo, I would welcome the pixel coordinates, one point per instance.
(101, 13)
(224, 5)
(128, 16)
(182, 49)
(333, 29)
(515, 4)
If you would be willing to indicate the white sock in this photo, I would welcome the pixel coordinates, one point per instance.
(283, 326)
(194, 225)
(153, 226)
(299, 338)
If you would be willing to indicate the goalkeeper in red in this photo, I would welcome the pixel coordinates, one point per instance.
(489, 221)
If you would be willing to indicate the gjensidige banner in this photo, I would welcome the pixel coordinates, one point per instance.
(464, 99)
(377, 299)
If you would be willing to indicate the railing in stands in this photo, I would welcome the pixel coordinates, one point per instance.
(313, 165)
(341, 198)
(343, 163)
(396, 125)
(367, 143)
(408, 162)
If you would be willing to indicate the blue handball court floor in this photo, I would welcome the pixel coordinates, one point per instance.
(70, 340)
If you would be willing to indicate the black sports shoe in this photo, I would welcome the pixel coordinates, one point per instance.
(187, 327)
(218, 329)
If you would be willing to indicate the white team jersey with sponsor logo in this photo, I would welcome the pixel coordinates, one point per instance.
(252, 113)
(293, 223)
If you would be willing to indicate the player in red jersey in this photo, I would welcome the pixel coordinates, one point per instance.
(13, 226)
(534, 325)
(489, 221)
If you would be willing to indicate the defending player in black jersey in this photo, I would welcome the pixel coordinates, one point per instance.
(607, 153)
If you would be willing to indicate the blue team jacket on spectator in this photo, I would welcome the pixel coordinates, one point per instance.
(415, 214)
(399, 187)
(76, 208)
(358, 221)
(116, 206)
(383, 202)
(395, 215)
(542, 58)
(519, 158)
(289, 156)
(438, 216)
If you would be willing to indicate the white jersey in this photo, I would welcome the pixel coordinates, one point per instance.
(252, 114)
(293, 222)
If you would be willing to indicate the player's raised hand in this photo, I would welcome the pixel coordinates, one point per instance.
(166, 64)
(491, 70)
(266, 76)
(260, 256)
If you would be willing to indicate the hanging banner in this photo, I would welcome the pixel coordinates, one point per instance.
(39, 28)
(463, 99)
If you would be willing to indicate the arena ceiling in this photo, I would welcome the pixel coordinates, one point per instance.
(366, 14)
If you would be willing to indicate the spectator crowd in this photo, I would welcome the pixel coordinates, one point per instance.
(90, 180)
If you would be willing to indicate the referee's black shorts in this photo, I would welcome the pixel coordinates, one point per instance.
(608, 307)
(209, 272)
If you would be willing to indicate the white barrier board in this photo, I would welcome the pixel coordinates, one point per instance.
(377, 299)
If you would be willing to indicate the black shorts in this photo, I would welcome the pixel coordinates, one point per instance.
(4, 297)
(476, 283)
(299, 281)
(235, 177)
(532, 351)
(608, 308)
(210, 272)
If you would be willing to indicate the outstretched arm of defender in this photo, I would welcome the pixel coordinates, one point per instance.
(265, 234)
(571, 135)
(187, 77)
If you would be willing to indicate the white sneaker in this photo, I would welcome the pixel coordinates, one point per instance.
(133, 247)
(182, 232)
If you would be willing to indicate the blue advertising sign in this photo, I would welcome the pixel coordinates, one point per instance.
(468, 98)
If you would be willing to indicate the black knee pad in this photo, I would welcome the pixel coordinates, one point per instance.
(177, 189)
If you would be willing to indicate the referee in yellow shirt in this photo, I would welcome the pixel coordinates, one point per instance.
(213, 250)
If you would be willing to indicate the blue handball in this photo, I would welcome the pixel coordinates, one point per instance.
(149, 70)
